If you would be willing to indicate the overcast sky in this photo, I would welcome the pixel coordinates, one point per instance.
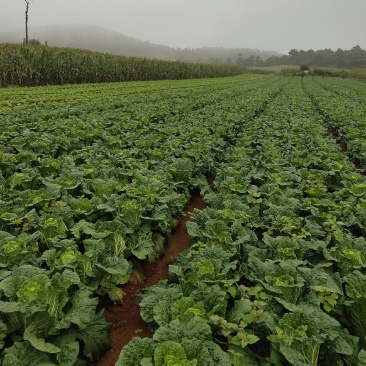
(278, 25)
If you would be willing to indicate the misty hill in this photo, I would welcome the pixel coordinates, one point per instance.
(99, 39)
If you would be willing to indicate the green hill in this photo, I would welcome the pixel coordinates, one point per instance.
(99, 39)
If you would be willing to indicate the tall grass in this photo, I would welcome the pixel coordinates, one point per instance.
(358, 74)
(330, 72)
(29, 65)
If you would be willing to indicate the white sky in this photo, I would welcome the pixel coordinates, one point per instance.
(278, 25)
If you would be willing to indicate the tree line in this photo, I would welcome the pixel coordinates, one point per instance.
(355, 57)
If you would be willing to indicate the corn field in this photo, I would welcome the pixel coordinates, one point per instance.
(28, 65)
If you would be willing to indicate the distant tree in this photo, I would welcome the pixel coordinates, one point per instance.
(294, 56)
(357, 56)
(258, 61)
(240, 60)
(294, 52)
(26, 19)
(249, 62)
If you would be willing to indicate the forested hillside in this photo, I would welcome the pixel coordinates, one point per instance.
(99, 39)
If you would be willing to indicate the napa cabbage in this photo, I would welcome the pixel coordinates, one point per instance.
(299, 338)
(356, 291)
(284, 248)
(349, 253)
(279, 278)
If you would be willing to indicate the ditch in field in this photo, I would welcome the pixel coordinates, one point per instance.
(344, 149)
(125, 319)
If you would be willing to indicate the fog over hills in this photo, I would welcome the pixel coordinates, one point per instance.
(99, 39)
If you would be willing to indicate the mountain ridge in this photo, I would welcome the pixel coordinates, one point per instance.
(99, 39)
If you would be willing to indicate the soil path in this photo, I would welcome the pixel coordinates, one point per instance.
(126, 320)
(344, 149)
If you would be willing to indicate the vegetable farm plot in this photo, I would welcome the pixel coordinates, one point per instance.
(276, 266)
(89, 186)
(94, 178)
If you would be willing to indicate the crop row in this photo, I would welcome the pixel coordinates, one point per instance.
(120, 103)
(276, 271)
(344, 109)
(74, 94)
(346, 88)
(86, 189)
(42, 135)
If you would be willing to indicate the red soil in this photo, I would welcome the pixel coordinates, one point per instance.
(126, 320)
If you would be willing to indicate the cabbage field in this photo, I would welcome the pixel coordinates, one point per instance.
(95, 176)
